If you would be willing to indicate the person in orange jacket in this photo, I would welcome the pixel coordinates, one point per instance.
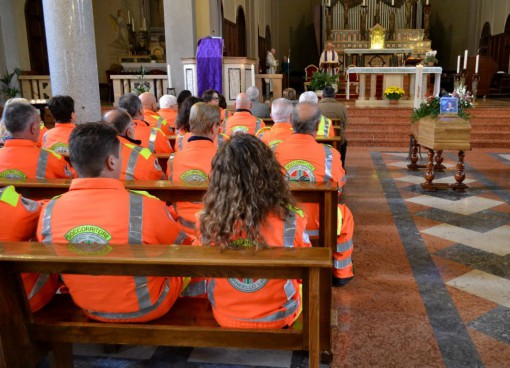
(19, 221)
(325, 127)
(21, 157)
(168, 110)
(41, 134)
(249, 204)
(193, 163)
(152, 138)
(281, 113)
(62, 109)
(138, 163)
(242, 122)
(109, 214)
(306, 160)
(151, 115)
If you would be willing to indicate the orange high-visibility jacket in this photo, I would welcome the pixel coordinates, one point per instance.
(95, 213)
(169, 115)
(19, 221)
(262, 303)
(155, 120)
(192, 164)
(275, 135)
(139, 163)
(57, 139)
(242, 122)
(306, 160)
(181, 140)
(41, 134)
(152, 138)
(22, 159)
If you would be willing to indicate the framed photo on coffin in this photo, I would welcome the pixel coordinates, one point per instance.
(449, 105)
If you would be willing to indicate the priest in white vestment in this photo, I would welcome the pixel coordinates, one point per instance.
(271, 65)
(329, 60)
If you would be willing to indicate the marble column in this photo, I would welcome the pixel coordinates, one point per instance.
(180, 36)
(72, 55)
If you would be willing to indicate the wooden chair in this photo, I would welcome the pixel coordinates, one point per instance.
(353, 80)
(309, 70)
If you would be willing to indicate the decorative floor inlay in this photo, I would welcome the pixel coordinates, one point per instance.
(465, 206)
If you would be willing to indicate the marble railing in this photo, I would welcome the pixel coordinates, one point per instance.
(123, 84)
(35, 87)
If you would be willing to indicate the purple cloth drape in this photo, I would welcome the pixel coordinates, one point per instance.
(209, 64)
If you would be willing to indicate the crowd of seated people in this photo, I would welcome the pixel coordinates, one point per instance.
(248, 202)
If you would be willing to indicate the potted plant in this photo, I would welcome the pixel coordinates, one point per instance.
(142, 86)
(8, 90)
(321, 80)
(437, 131)
(394, 94)
(430, 58)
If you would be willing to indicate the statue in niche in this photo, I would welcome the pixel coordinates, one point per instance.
(427, 9)
(409, 13)
(120, 26)
(363, 23)
(391, 31)
(345, 5)
(377, 37)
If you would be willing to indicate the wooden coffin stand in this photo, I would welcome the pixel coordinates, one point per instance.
(436, 134)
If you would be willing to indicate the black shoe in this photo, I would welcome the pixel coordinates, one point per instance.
(339, 282)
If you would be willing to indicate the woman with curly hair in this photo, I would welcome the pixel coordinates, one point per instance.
(249, 204)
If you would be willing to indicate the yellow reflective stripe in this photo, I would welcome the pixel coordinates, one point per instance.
(9, 195)
(297, 210)
(53, 153)
(339, 222)
(144, 193)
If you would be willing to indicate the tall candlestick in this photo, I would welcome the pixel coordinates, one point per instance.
(476, 64)
(169, 75)
(465, 59)
(253, 74)
(458, 64)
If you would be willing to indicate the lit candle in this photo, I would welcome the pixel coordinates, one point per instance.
(427, 2)
(169, 76)
(458, 64)
(465, 59)
(392, 2)
(476, 64)
(364, 3)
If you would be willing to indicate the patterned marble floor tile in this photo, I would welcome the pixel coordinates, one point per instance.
(269, 358)
(481, 221)
(464, 206)
(496, 324)
(484, 285)
(447, 194)
(419, 179)
(398, 154)
(505, 156)
(477, 259)
(495, 241)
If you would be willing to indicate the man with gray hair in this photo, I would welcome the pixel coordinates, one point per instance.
(21, 157)
(281, 113)
(305, 159)
(258, 109)
(168, 110)
(242, 122)
(325, 127)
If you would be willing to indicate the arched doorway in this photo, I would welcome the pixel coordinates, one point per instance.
(36, 34)
(241, 32)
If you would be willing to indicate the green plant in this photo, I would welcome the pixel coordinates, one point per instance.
(394, 93)
(430, 57)
(432, 105)
(8, 90)
(321, 80)
(143, 86)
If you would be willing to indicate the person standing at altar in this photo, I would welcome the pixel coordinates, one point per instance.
(271, 65)
(329, 59)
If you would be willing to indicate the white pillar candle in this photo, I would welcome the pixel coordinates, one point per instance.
(133, 25)
(364, 3)
(145, 26)
(169, 76)
(458, 64)
(252, 75)
(129, 16)
(465, 59)
(477, 62)
(427, 3)
(392, 2)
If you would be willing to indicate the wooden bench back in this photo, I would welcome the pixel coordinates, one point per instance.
(22, 347)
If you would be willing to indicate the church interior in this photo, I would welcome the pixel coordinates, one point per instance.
(431, 260)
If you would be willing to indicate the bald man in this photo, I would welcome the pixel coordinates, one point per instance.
(150, 108)
(242, 122)
(329, 59)
(138, 163)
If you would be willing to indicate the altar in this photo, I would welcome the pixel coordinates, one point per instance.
(377, 57)
(415, 88)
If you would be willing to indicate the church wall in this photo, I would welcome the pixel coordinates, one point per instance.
(14, 49)
(495, 12)
(203, 20)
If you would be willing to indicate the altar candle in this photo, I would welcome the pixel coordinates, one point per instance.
(129, 16)
(364, 3)
(144, 25)
(392, 2)
(458, 64)
(465, 59)
(169, 76)
(476, 65)
(252, 75)
(133, 23)
(427, 3)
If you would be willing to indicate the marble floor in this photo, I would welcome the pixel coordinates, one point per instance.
(432, 285)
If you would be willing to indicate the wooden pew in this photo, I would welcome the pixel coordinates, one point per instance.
(25, 337)
(325, 194)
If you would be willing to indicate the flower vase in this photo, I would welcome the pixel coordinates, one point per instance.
(430, 63)
(393, 102)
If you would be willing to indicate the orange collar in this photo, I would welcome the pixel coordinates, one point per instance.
(96, 183)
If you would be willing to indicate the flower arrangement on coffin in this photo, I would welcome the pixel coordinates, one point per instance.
(394, 93)
(430, 58)
(431, 107)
